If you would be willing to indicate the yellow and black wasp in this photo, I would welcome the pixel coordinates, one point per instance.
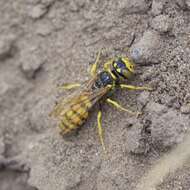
(73, 110)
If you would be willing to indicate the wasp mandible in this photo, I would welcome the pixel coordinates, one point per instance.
(72, 111)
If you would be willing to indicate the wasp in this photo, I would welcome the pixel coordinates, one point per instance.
(72, 111)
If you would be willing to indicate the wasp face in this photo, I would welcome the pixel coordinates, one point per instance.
(123, 67)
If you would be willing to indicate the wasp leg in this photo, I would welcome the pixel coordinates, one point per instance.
(131, 87)
(94, 67)
(69, 86)
(118, 106)
(108, 69)
(100, 130)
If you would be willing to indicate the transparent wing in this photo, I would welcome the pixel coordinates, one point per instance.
(84, 95)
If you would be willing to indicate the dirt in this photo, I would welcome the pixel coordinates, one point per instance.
(45, 43)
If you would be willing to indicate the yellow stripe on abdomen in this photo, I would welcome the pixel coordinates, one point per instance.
(85, 102)
(79, 114)
(66, 126)
(76, 115)
(74, 118)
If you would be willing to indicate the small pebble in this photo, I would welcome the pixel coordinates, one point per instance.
(181, 3)
(135, 6)
(188, 4)
(168, 126)
(147, 49)
(143, 99)
(29, 68)
(185, 109)
(134, 139)
(161, 23)
(44, 28)
(38, 11)
(2, 146)
(31, 62)
(157, 7)
(6, 46)
(4, 87)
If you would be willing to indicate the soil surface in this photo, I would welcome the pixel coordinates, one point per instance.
(45, 43)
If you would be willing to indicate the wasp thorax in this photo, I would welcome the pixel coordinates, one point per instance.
(104, 79)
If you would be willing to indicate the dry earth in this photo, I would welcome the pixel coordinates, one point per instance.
(44, 43)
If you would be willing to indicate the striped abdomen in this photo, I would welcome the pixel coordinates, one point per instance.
(75, 116)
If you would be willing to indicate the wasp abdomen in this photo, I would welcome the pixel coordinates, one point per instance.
(75, 117)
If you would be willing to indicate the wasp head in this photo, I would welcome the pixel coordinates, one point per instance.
(123, 67)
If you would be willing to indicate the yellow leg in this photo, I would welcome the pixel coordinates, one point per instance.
(100, 130)
(69, 86)
(107, 64)
(131, 87)
(118, 106)
(94, 67)
(107, 67)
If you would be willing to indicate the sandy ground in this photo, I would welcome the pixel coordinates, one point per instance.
(44, 43)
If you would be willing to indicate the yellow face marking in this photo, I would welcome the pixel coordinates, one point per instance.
(129, 64)
(115, 65)
(118, 70)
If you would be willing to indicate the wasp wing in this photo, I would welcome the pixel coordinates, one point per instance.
(84, 95)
